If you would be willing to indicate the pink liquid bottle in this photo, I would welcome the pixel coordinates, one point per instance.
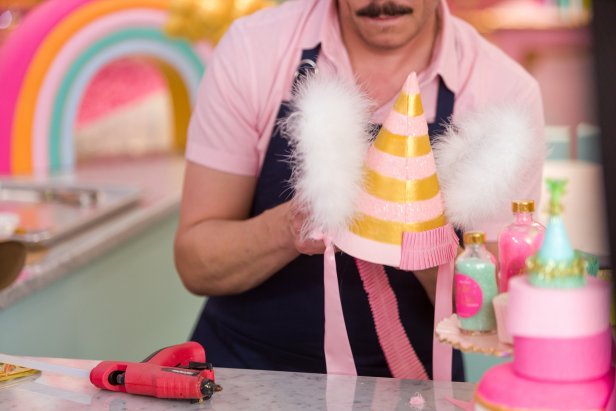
(518, 241)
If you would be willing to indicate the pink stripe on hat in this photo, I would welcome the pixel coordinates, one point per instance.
(415, 212)
(400, 167)
(411, 85)
(406, 126)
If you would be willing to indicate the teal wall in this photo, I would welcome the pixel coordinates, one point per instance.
(123, 306)
(477, 364)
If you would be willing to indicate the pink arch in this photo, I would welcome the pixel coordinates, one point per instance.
(23, 43)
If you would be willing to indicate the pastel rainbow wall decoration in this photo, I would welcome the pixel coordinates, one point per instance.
(48, 62)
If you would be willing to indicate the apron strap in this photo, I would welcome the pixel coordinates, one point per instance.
(307, 65)
(444, 110)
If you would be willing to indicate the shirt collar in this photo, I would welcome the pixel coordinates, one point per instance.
(332, 45)
(324, 14)
(444, 57)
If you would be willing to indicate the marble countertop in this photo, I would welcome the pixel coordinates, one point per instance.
(160, 181)
(242, 390)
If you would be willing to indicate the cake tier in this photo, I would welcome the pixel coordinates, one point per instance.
(503, 390)
(558, 313)
(563, 359)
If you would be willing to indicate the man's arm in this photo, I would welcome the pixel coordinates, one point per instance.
(218, 249)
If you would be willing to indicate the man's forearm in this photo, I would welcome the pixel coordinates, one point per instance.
(218, 257)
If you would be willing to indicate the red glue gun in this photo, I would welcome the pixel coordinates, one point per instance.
(178, 372)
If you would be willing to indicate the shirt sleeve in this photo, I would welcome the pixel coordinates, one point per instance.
(222, 133)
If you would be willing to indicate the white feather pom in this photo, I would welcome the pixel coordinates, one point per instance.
(483, 164)
(329, 134)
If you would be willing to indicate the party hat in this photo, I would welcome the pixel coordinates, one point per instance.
(556, 264)
(383, 207)
(399, 219)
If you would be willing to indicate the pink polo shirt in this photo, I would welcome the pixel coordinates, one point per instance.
(252, 69)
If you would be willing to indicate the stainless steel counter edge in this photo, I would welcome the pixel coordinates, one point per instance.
(77, 251)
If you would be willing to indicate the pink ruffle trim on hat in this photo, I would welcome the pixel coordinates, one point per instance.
(401, 358)
(428, 249)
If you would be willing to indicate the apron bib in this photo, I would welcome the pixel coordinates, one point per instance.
(279, 324)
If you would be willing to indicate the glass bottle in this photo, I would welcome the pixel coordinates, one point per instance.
(518, 241)
(475, 286)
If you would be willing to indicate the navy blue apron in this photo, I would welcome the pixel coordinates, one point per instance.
(279, 325)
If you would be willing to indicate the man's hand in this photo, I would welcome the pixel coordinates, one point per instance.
(305, 243)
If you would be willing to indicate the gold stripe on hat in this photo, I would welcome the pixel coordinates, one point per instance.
(390, 231)
(402, 146)
(409, 105)
(400, 191)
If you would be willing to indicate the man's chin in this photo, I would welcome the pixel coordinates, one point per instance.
(386, 41)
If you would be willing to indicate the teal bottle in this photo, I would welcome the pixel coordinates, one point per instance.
(475, 286)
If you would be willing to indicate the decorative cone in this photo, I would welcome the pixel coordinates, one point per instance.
(395, 212)
(556, 264)
(400, 219)
(400, 222)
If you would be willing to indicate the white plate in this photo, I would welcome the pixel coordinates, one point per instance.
(448, 332)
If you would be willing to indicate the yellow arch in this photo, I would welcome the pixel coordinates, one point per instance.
(180, 100)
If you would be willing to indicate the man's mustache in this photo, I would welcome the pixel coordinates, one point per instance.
(383, 9)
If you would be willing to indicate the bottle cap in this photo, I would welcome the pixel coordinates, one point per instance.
(523, 206)
(474, 237)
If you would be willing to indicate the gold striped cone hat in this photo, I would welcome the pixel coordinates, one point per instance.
(400, 207)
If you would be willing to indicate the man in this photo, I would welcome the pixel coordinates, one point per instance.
(238, 240)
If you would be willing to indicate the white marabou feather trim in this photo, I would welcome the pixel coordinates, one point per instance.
(329, 133)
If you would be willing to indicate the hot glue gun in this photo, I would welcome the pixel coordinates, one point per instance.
(178, 372)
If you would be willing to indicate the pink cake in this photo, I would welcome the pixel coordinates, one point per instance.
(563, 350)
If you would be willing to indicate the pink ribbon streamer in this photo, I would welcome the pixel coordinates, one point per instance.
(340, 392)
(401, 358)
(442, 354)
(399, 353)
(338, 354)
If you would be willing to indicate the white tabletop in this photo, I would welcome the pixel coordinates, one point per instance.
(242, 390)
